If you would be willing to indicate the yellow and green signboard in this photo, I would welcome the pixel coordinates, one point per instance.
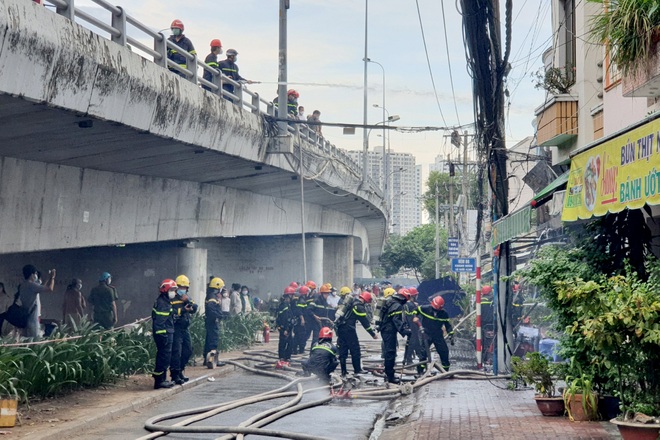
(623, 172)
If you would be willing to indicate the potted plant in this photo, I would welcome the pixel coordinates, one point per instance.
(622, 329)
(580, 400)
(630, 28)
(536, 370)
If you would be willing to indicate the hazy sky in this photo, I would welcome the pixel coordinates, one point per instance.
(326, 48)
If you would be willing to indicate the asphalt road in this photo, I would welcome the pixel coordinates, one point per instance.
(344, 419)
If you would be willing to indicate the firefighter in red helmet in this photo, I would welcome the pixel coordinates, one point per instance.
(162, 323)
(431, 320)
(323, 357)
(287, 317)
(184, 43)
(212, 61)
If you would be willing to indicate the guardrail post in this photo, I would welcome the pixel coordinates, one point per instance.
(270, 109)
(119, 23)
(255, 103)
(160, 46)
(192, 66)
(238, 91)
(216, 79)
(68, 12)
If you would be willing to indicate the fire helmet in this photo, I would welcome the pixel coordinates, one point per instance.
(388, 292)
(345, 291)
(167, 285)
(325, 333)
(311, 284)
(182, 281)
(303, 291)
(326, 288)
(294, 93)
(216, 283)
(438, 303)
(177, 24)
(366, 297)
(413, 291)
(216, 43)
(290, 290)
(231, 52)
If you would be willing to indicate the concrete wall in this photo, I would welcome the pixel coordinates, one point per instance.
(136, 272)
(269, 264)
(48, 206)
(620, 112)
(338, 266)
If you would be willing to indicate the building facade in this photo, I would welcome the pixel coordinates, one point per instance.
(404, 187)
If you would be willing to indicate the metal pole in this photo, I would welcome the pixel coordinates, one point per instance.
(466, 245)
(365, 139)
(437, 233)
(282, 74)
(302, 213)
(451, 206)
(478, 300)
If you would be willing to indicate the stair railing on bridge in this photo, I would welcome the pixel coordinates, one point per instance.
(117, 29)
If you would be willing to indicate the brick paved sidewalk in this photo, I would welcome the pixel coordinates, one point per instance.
(474, 410)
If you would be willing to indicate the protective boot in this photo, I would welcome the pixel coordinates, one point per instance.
(160, 382)
(344, 371)
(183, 377)
(176, 377)
(389, 372)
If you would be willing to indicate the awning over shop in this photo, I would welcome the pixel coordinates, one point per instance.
(622, 172)
(513, 225)
(546, 193)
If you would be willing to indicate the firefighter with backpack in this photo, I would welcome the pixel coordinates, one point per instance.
(352, 310)
(391, 324)
(431, 319)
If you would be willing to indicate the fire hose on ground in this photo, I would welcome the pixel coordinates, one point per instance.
(262, 360)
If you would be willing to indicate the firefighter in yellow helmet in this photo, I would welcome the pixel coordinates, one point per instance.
(213, 315)
(182, 307)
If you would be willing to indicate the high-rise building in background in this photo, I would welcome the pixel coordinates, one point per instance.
(405, 187)
(441, 164)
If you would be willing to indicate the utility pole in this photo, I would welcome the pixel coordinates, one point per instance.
(437, 233)
(451, 198)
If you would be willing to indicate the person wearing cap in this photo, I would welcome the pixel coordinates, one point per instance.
(229, 68)
(103, 298)
(211, 60)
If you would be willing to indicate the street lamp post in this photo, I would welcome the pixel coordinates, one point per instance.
(365, 139)
(385, 164)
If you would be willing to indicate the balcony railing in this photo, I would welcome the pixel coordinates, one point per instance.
(645, 81)
(557, 121)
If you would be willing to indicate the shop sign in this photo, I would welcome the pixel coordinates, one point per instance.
(623, 172)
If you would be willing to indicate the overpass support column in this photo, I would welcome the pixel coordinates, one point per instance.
(192, 262)
(315, 260)
(338, 260)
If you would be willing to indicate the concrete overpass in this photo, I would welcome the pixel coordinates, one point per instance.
(108, 161)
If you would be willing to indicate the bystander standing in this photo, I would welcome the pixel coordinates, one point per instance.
(74, 305)
(104, 299)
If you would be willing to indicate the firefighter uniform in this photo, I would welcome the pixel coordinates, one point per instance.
(304, 325)
(322, 361)
(162, 323)
(177, 57)
(212, 317)
(287, 318)
(181, 345)
(392, 323)
(347, 339)
(414, 345)
(433, 321)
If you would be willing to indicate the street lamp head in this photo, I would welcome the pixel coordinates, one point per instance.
(393, 118)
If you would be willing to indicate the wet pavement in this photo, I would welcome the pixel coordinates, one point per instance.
(444, 409)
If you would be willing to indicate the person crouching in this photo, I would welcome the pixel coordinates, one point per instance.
(323, 358)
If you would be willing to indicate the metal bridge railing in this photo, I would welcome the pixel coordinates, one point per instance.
(242, 96)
